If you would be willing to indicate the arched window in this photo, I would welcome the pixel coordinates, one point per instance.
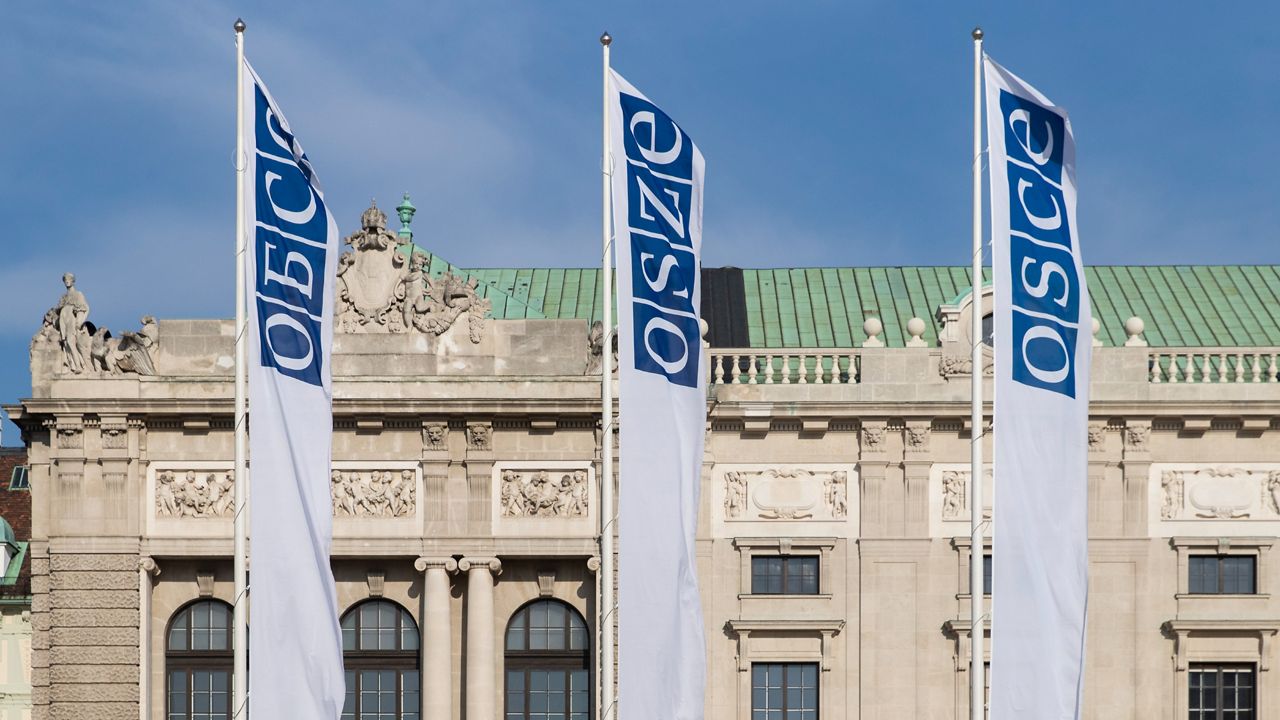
(198, 662)
(380, 652)
(547, 662)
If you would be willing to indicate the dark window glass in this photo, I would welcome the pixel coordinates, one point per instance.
(19, 479)
(1222, 574)
(547, 663)
(784, 575)
(784, 691)
(1221, 692)
(989, 331)
(198, 662)
(986, 574)
(380, 652)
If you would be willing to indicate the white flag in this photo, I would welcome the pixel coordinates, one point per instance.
(657, 222)
(295, 668)
(1043, 344)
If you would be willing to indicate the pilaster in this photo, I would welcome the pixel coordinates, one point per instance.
(1137, 470)
(915, 467)
(873, 467)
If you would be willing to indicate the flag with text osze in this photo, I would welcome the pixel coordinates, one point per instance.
(295, 667)
(1041, 413)
(657, 176)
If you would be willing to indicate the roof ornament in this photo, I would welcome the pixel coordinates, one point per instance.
(373, 218)
(916, 328)
(1133, 327)
(873, 327)
(406, 211)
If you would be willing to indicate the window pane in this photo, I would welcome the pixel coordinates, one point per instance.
(986, 574)
(1238, 575)
(784, 691)
(1203, 574)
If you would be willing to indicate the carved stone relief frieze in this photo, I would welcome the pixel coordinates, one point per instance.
(785, 493)
(194, 494)
(374, 493)
(1219, 492)
(115, 438)
(543, 493)
(951, 498)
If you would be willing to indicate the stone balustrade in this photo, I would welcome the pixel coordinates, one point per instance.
(799, 366)
(1214, 365)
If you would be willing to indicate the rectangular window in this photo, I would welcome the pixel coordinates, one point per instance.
(986, 575)
(784, 691)
(784, 575)
(1222, 575)
(1222, 692)
(19, 480)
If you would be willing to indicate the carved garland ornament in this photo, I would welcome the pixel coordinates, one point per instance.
(785, 494)
(380, 291)
(542, 493)
(1219, 493)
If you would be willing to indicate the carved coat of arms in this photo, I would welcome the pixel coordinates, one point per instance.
(380, 290)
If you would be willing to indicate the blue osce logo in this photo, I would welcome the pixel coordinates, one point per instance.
(664, 268)
(1046, 285)
(290, 250)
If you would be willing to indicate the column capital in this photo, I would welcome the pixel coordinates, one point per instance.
(424, 564)
(148, 566)
(593, 563)
(492, 564)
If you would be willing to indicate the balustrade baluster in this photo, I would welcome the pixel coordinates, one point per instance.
(1239, 373)
(786, 369)
(751, 371)
(1256, 367)
(1272, 370)
(803, 378)
(1156, 372)
(817, 369)
(718, 363)
(1222, 367)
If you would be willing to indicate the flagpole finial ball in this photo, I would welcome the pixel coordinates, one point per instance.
(605, 39)
(239, 26)
(977, 33)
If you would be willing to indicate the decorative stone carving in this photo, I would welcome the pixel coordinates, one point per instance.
(837, 494)
(1223, 492)
(872, 438)
(86, 348)
(954, 491)
(115, 438)
(480, 437)
(540, 493)
(917, 438)
(374, 493)
(1172, 486)
(70, 437)
(1136, 437)
(595, 349)
(194, 494)
(786, 493)
(380, 290)
(958, 365)
(434, 436)
(1097, 436)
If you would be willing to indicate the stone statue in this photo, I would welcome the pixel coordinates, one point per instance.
(131, 352)
(379, 289)
(1273, 490)
(72, 312)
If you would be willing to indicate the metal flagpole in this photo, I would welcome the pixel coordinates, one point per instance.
(977, 668)
(608, 513)
(240, 644)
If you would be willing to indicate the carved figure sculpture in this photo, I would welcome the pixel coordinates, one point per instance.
(953, 491)
(735, 494)
(837, 494)
(1273, 490)
(480, 437)
(376, 493)
(194, 495)
(1171, 482)
(537, 494)
(73, 311)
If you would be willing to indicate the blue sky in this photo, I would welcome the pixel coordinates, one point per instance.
(836, 133)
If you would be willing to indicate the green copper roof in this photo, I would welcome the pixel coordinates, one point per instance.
(1181, 305)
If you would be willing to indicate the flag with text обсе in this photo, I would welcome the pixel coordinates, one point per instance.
(296, 667)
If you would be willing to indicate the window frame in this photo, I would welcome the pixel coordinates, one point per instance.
(528, 660)
(787, 668)
(750, 548)
(1219, 561)
(189, 661)
(20, 479)
(398, 660)
(786, 572)
(1255, 547)
(1218, 668)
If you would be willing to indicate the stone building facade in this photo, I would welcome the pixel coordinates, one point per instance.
(15, 586)
(833, 531)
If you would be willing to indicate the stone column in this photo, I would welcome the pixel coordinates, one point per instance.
(437, 637)
(147, 569)
(482, 667)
